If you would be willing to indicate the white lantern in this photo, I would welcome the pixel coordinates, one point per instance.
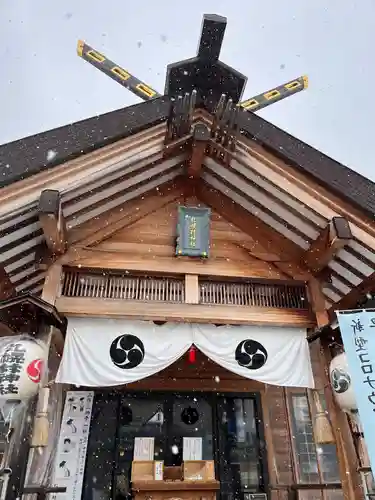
(21, 368)
(341, 383)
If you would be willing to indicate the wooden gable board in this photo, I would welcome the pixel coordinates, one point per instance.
(151, 242)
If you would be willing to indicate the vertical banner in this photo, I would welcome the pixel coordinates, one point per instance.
(72, 446)
(358, 334)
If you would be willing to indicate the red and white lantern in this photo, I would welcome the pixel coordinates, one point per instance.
(22, 363)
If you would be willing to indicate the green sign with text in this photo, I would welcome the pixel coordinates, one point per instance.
(193, 232)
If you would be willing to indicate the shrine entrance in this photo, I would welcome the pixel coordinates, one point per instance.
(230, 426)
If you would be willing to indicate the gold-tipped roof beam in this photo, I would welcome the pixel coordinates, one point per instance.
(145, 92)
(116, 72)
(274, 95)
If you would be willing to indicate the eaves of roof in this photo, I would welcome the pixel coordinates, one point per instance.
(25, 157)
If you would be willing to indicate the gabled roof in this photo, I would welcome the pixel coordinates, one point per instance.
(89, 185)
(101, 163)
(25, 157)
(210, 79)
(108, 179)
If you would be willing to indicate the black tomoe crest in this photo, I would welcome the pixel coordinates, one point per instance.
(189, 415)
(340, 380)
(127, 352)
(251, 354)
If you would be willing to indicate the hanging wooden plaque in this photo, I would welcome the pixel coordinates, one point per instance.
(193, 232)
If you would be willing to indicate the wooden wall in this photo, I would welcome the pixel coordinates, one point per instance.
(203, 375)
(154, 236)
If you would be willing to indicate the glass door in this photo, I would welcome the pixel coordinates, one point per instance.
(190, 416)
(241, 448)
(100, 462)
(230, 428)
(139, 416)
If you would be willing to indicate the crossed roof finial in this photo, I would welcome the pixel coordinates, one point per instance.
(204, 73)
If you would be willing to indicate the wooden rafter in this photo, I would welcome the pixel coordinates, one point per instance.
(201, 135)
(104, 226)
(356, 294)
(335, 236)
(270, 239)
(244, 220)
(299, 179)
(97, 230)
(52, 220)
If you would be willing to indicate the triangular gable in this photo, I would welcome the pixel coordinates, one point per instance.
(261, 186)
(232, 251)
(298, 212)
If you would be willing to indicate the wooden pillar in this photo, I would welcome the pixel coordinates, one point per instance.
(51, 290)
(191, 289)
(346, 453)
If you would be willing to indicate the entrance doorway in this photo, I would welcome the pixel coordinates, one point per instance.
(230, 426)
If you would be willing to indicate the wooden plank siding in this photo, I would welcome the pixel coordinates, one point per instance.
(153, 238)
(203, 375)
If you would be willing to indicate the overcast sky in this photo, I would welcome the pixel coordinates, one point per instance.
(44, 84)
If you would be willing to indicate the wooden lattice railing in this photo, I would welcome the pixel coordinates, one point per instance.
(249, 293)
(110, 286)
(254, 293)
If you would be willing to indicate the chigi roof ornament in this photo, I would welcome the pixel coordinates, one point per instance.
(204, 74)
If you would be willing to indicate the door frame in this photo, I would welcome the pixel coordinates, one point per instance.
(260, 428)
(213, 399)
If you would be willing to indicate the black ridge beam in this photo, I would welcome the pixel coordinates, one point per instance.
(212, 35)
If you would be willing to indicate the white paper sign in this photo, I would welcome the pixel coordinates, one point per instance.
(159, 470)
(143, 448)
(192, 448)
(72, 447)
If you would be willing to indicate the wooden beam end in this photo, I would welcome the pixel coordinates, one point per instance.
(201, 136)
(341, 228)
(52, 220)
(335, 236)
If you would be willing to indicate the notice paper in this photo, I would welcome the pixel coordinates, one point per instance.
(143, 448)
(192, 448)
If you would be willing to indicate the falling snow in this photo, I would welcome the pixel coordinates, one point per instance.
(51, 154)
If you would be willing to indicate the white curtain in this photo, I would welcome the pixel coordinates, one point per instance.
(273, 355)
(102, 352)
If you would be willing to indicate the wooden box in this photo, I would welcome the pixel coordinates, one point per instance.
(150, 470)
(174, 473)
(199, 470)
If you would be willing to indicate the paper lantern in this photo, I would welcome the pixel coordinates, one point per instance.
(192, 354)
(341, 383)
(21, 369)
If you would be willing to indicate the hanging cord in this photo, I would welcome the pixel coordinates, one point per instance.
(9, 421)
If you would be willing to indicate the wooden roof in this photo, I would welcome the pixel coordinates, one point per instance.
(250, 171)
(258, 184)
(26, 157)
(89, 187)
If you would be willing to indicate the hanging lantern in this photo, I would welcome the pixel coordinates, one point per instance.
(192, 354)
(341, 383)
(21, 368)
